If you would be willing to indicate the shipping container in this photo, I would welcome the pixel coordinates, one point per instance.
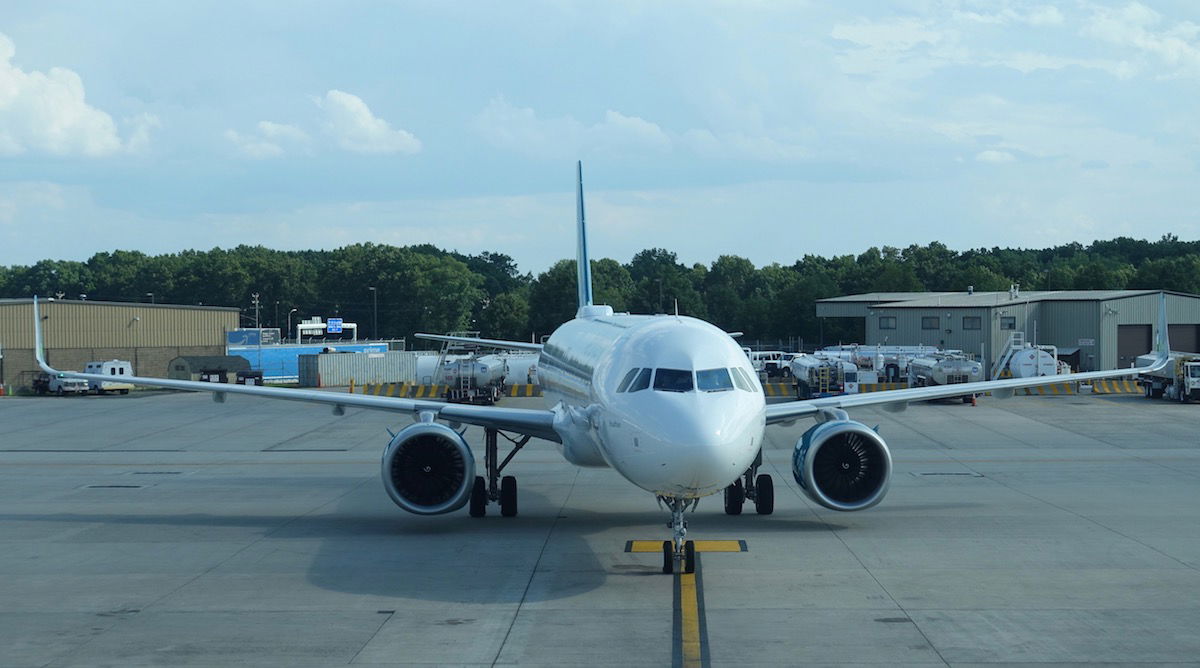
(338, 369)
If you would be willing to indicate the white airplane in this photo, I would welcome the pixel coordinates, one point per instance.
(671, 402)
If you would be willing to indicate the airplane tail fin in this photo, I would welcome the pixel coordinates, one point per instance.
(582, 261)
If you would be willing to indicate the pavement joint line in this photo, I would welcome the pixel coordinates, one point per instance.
(558, 515)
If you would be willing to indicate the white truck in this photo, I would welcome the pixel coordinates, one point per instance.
(117, 369)
(59, 384)
(1178, 380)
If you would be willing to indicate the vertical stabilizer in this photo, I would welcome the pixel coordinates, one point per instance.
(583, 269)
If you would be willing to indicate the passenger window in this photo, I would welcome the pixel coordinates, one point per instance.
(627, 380)
(642, 381)
(740, 380)
(673, 380)
(713, 380)
(112, 371)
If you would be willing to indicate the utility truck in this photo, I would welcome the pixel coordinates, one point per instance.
(1178, 380)
(59, 384)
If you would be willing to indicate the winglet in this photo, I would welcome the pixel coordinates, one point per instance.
(1162, 345)
(38, 344)
(583, 267)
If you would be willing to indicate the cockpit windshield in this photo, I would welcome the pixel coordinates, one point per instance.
(713, 380)
(673, 380)
(641, 382)
(627, 380)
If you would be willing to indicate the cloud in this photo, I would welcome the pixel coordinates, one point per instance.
(269, 140)
(1135, 24)
(521, 130)
(352, 125)
(995, 157)
(46, 112)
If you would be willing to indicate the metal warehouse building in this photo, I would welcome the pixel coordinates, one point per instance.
(147, 335)
(1092, 329)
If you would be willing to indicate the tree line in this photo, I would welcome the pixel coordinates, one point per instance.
(424, 288)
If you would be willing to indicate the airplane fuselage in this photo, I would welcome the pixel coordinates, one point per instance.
(670, 402)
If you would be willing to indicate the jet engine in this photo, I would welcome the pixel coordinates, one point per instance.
(842, 465)
(428, 469)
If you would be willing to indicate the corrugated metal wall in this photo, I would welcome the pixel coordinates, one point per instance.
(75, 324)
(338, 369)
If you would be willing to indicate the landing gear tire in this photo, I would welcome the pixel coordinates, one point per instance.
(508, 496)
(479, 497)
(764, 494)
(735, 496)
(668, 558)
(689, 557)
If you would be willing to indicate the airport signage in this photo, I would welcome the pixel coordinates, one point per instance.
(333, 326)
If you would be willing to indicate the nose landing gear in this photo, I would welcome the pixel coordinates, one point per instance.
(678, 554)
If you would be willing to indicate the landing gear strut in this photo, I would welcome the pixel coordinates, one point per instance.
(758, 487)
(677, 550)
(496, 488)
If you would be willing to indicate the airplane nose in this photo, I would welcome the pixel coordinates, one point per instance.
(708, 452)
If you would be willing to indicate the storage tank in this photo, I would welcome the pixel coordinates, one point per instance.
(808, 371)
(1032, 362)
(944, 371)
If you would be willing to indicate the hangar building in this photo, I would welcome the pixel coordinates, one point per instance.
(147, 335)
(1092, 329)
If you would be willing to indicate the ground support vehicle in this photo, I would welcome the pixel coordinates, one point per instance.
(59, 384)
(1178, 380)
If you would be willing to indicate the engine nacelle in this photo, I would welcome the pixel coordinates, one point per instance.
(428, 469)
(842, 465)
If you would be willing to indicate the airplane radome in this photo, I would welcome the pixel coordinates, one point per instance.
(669, 402)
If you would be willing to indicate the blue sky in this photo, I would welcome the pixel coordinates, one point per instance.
(764, 129)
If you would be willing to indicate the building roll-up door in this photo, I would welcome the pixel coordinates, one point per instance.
(1132, 340)
(1184, 338)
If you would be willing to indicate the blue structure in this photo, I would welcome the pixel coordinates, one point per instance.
(280, 363)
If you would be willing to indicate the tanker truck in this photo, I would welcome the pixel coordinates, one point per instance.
(1178, 380)
(474, 380)
(817, 375)
(924, 371)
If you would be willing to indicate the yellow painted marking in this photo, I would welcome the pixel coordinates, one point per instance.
(689, 609)
(701, 546)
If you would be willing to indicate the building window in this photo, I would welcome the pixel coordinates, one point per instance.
(930, 322)
(887, 322)
(1008, 322)
(972, 322)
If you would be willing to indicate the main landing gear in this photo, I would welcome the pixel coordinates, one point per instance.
(678, 551)
(758, 487)
(495, 488)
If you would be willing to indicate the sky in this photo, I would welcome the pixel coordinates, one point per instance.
(769, 130)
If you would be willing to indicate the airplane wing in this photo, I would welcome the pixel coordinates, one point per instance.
(492, 343)
(898, 400)
(537, 423)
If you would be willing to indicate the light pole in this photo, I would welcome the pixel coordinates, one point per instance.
(151, 296)
(289, 331)
(374, 312)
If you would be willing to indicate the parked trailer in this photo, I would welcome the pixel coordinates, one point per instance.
(1178, 380)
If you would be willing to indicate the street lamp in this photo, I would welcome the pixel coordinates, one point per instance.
(374, 311)
(289, 332)
(151, 296)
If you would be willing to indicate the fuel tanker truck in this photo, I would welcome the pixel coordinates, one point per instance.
(474, 380)
(1178, 380)
(924, 371)
(818, 375)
